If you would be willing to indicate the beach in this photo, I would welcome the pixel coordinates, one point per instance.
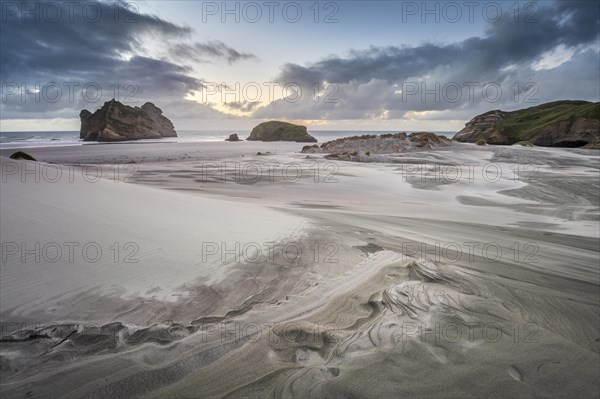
(250, 269)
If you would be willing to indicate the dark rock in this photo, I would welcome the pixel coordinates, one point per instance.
(119, 122)
(22, 155)
(280, 131)
(484, 127)
(311, 148)
(373, 148)
(233, 137)
(568, 133)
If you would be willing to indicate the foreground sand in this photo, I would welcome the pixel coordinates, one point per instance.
(284, 275)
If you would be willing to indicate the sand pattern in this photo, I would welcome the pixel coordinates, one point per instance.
(408, 281)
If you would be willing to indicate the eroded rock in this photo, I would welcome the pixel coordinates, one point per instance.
(119, 122)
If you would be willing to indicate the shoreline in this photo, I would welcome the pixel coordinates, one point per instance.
(186, 137)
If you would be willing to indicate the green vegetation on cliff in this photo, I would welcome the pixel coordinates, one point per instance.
(526, 122)
(559, 123)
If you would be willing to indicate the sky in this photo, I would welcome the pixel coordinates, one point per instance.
(330, 65)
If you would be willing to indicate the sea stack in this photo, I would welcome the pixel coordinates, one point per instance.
(118, 122)
(280, 131)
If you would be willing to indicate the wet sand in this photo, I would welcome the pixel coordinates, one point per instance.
(465, 271)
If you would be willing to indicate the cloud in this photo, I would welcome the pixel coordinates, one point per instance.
(76, 44)
(553, 58)
(375, 82)
(569, 23)
(243, 106)
(92, 57)
(205, 52)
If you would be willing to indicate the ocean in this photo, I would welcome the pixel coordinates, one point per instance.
(71, 138)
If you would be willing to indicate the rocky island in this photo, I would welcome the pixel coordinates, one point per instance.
(555, 124)
(280, 131)
(118, 122)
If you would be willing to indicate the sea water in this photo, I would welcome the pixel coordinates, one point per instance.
(71, 138)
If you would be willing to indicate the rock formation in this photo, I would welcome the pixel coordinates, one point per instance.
(280, 131)
(557, 124)
(372, 148)
(22, 155)
(233, 137)
(119, 122)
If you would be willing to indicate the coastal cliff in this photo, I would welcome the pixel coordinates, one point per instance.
(556, 124)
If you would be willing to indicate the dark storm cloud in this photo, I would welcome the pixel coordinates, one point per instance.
(102, 45)
(507, 42)
(34, 42)
(204, 52)
(388, 63)
(370, 82)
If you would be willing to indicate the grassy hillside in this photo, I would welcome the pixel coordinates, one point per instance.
(521, 124)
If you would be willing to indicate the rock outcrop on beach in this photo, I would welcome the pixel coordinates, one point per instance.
(22, 155)
(280, 131)
(374, 148)
(556, 124)
(233, 137)
(119, 122)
